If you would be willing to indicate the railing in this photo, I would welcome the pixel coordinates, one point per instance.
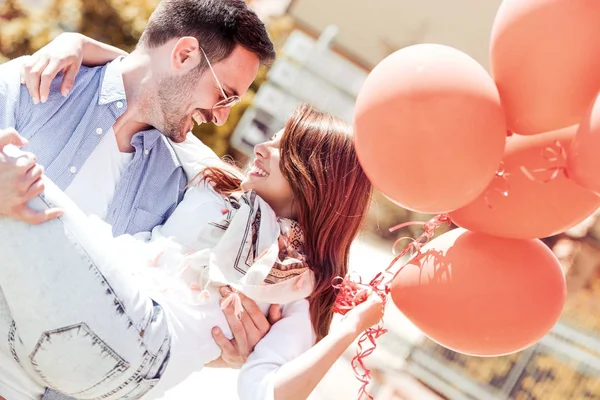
(564, 365)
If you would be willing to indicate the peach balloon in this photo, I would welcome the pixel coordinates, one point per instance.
(545, 59)
(540, 200)
(482, 295)
(429, 128)
(584, 155)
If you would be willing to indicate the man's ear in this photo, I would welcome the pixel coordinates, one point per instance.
(186, 54)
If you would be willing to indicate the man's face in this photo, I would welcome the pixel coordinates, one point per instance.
(185, 98)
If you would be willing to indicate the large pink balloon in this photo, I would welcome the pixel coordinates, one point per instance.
(584, 154)
(545, 59)
(430, 129)
(482, 295)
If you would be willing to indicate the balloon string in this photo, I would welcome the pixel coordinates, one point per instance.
(555, 154)
(352, 292)
(363, 374)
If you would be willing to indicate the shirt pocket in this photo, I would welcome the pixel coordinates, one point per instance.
(144, 220)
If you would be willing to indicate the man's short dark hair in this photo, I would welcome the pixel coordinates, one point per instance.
(219, 25)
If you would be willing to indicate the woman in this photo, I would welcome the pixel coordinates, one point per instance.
(310, 173)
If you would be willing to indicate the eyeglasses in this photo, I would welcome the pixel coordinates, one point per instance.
(227, 101)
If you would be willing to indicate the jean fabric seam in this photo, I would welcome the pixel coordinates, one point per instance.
(120, 362)
(157, 363)
(12, 337)
(148, 359)
(103, 278)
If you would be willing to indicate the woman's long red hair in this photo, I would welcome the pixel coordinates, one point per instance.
(331, 194)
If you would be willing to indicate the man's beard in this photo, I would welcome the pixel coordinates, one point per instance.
(174, 100)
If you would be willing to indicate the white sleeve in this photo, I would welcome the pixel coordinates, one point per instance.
(287, 339)
(194, 155)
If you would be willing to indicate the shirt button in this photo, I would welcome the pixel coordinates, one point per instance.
(119, 104)
(99, 131)
(73, 169)
(146, 151)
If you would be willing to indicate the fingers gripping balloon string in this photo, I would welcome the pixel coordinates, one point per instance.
(352, 292)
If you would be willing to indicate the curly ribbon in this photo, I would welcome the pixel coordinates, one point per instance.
(499, 184)
(352, 292)
(555, 154)
(363, 374)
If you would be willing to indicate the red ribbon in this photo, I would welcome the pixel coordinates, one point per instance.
(499, 184)
(555, 155)
(352, 292)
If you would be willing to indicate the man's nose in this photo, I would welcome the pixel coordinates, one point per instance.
(220, 115)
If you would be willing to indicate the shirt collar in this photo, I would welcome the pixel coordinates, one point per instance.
(112, 87)
(149, 139)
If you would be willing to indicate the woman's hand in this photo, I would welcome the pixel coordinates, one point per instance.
(63, 54)
(366, 314)
(296, 379)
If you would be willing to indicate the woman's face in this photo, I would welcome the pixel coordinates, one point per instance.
(266, 179)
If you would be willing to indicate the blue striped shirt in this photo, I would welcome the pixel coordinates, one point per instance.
(64, 131)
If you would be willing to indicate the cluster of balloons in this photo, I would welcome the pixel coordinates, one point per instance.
(511, 156)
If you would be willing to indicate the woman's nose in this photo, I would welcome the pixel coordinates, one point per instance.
(261, 150)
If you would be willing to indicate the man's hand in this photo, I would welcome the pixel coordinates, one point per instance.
(247, 331)
(20, 181)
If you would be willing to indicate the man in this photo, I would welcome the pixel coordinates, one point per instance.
(193, 62)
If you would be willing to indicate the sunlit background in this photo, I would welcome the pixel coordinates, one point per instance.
(325, 51)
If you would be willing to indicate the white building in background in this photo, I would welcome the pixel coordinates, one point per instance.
(370, 30)
(305, 71)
